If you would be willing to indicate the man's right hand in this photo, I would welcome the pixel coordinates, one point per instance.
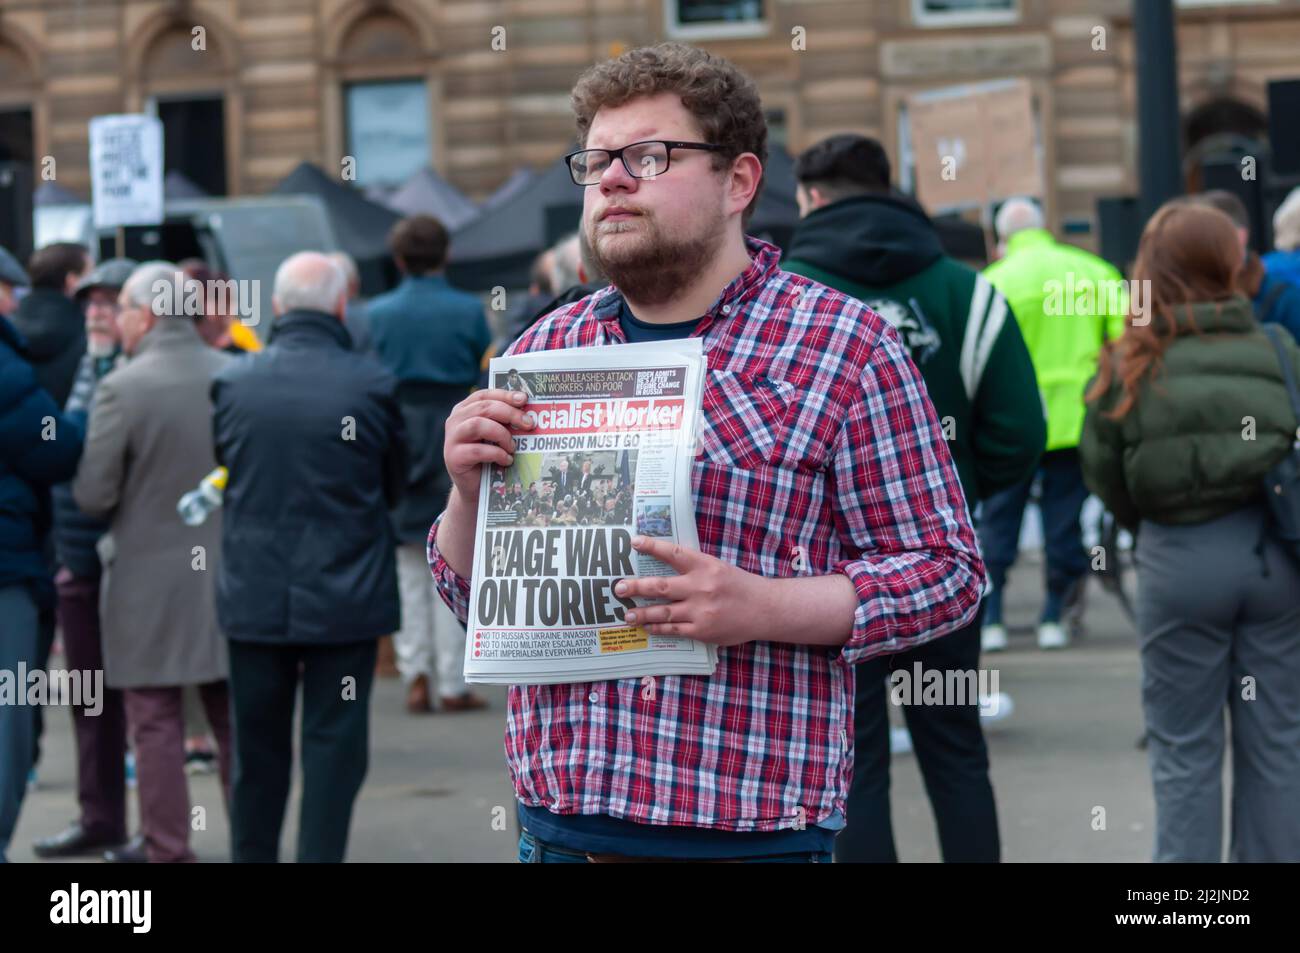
(478, 433)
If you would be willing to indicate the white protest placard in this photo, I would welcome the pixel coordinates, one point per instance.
(126, 170)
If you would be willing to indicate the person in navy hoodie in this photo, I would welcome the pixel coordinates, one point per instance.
(38, 448)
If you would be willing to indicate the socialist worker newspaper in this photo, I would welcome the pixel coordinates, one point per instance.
(608, 458)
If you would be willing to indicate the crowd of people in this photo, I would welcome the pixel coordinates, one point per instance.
(927, 402)
(205, 633)
(571, 494)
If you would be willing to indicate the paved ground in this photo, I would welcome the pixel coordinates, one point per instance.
(435, 781)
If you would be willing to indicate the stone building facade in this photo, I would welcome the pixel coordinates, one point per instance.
(477, 88)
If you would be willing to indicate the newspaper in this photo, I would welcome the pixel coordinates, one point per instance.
(608, 458)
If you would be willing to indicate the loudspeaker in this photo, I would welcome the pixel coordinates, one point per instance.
(1223, 172)
(16, 208)
(1284, 125)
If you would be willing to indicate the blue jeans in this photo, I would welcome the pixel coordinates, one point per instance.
(19, 642)
(1061, 504)
(533, 851)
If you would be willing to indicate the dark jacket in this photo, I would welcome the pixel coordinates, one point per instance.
(1278, 301)
(532, 309)
(425, 409)
(425, 330)
(1202, 434)
(313, 437)
(357, 322)
(39, 446)
(884, 251)
(55, 331)
(75, 533)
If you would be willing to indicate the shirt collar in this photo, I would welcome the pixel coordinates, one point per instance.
(168, 331)
(765, 261)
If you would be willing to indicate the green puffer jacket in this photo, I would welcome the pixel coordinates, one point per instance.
(1204, 430)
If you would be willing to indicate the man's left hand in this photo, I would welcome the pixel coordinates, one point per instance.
(710, 600)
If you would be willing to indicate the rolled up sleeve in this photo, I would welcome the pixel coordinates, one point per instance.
(452, 588)
(900, 512)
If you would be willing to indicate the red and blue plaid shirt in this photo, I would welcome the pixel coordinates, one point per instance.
(820, 453)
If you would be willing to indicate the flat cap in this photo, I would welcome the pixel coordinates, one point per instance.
(110, 273)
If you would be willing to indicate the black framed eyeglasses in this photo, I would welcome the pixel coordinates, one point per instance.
(643, 160)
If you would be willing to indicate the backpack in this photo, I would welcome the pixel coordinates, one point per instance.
(1282, 481)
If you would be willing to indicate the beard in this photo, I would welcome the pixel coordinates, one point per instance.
(646, 264)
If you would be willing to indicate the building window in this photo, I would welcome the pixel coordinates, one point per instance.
(942, 13)
(387, 130)
(711, 19)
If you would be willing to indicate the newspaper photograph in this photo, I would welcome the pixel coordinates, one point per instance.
(608, 458)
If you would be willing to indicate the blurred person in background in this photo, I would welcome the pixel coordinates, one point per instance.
(12, 277)
(54, 331)
(1274, 299)
(149, 443)
(219, 325)
(1039, 277)
(432, 337)
(50, 320)
(859, 237)
(1283, 262)
(307, 582)
(39, 447)
(99, 735)
(355, 320)
(1219, 624)
(541, 289)
(569, 276)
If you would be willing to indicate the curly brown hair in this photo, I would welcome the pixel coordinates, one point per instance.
(723, 100)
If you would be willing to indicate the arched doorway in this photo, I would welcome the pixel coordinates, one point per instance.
(387, 125)
(185, 78)
(1218, 126)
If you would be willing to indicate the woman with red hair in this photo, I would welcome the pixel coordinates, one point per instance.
(1187, 414)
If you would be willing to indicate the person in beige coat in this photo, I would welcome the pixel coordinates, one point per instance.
(150, 441)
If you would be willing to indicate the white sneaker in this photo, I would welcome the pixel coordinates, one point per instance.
(900, 740)
(993, 638)
(1052, 635)
(996, 707)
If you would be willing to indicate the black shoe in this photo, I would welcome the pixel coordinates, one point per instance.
(132, 852)
(73, 842)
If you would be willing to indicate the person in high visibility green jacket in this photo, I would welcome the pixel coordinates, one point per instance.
(1067, 302)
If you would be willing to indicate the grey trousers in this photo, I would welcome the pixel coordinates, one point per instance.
(1220, 634)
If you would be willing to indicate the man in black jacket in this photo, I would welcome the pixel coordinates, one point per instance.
(313, 437)
(859, 237)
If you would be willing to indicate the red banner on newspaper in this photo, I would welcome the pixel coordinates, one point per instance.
(604, 416)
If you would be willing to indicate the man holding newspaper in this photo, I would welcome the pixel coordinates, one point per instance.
(831, 524)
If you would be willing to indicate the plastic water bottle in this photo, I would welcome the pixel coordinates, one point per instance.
(195, 505)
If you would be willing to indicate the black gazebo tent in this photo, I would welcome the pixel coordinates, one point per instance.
(360, 225)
